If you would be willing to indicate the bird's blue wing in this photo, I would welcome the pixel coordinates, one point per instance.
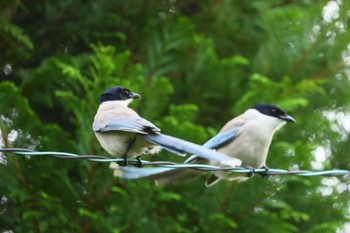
(222, 138)
(134, 124)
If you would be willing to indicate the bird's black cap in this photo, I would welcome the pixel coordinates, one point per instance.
(273, 111)
(118, 93)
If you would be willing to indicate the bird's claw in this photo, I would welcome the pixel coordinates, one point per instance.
(124, 162)
(264, 173)
(251, 171)
(125, 155)
(139, 163)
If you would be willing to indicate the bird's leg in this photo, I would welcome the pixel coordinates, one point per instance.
(139, 162)
(125, 154)
(264, 173)
(251, 170)
(124, 162)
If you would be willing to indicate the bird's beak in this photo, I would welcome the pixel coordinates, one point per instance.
(134, 95)
(287, 118)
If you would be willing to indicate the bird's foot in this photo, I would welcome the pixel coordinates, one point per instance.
(124, 162)
(264, 173)
(251, 170)
(139, 163)
(125, 154)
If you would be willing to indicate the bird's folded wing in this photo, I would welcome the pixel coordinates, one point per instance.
(223, 138)
(133, 124)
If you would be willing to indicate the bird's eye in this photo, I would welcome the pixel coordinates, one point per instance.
(126, 92)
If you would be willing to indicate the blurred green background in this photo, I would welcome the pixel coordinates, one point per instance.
(197, 64)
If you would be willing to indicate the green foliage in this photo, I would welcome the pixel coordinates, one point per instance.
(16, 44)
(196, 65)
(17, 34)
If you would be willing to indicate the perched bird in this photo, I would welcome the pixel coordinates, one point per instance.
(122, 132)
(246, 137)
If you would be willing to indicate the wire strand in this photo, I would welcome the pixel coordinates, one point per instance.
(168, 164)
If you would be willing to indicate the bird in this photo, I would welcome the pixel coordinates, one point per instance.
(247, 137)
(123, 133)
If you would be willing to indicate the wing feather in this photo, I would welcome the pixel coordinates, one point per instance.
(130, 124)
(223, 138)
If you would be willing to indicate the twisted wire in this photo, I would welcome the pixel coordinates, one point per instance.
(168, 164)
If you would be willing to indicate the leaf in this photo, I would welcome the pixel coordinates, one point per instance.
(17, 33)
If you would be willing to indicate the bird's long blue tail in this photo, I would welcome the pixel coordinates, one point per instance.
(179, 146)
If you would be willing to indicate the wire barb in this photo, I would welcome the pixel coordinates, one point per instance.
(167, 164)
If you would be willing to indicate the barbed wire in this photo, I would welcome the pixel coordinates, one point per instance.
(168, 164)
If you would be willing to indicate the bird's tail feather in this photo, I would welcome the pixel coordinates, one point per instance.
(175, 177)
(162, 176)
(178, 176)
(130, 172)
(180, 146)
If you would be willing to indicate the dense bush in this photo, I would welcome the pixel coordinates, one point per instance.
(196, 64)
